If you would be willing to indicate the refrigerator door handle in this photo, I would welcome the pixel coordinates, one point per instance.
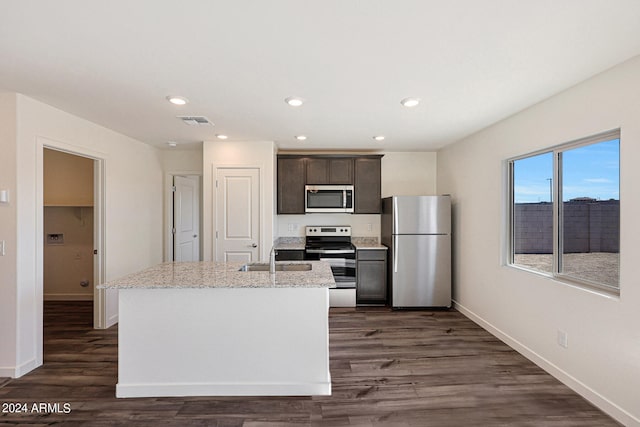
(395, 216)
(395, 254)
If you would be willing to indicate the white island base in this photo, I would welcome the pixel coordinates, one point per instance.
(223, 342)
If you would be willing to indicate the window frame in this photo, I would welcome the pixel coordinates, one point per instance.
(557, 211)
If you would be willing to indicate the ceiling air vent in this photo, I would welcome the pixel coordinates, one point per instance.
(195, 120)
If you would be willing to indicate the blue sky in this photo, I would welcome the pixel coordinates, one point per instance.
(589, 171)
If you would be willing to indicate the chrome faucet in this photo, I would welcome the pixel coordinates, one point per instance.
(272, 260)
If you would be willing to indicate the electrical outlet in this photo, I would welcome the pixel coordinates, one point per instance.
(563, 339)
(290, 228)
(55, 239)
(369, 227)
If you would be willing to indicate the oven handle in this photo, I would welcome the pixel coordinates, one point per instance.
(330, 251)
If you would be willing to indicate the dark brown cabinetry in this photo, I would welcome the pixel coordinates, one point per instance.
(367, 185)
(291, 182)
(327, 170)
(296, 171)
(371, 277)
(289, 254)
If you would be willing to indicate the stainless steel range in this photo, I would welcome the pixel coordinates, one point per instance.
(333, 244)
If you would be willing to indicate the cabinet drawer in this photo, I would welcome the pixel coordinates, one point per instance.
(372, 254)
(289, 255)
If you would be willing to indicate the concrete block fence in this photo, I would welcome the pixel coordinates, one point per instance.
(589, 226)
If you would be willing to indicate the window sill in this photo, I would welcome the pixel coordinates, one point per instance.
(600, 290)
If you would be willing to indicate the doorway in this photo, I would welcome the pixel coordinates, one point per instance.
(183, 212)
(186, 218)
(68, 190)
(237, 234)
(78, 202)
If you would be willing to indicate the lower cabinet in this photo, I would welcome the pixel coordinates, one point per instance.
(371, 280)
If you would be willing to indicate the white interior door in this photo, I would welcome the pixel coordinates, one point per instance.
(186, 219)
(237, 214)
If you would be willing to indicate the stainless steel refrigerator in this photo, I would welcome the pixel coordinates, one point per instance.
(417, 231)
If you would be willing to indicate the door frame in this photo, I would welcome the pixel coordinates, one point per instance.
(168, 211)
(100, 320)
(211, 248)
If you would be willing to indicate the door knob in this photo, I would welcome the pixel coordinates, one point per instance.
(254, 245)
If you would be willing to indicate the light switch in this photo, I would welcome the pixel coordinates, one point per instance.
(4, 196)
(1, 247)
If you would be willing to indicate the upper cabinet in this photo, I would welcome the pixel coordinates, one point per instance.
(296, 171)
(367, 186)
(291, 182)
(327, 170)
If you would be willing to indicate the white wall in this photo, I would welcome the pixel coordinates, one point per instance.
(8, 234)
(526, 310)
(174, 160)
(133, 213)
(409, 173)
(361, 225)
(241, 154)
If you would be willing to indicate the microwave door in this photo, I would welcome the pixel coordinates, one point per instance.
(325, 201)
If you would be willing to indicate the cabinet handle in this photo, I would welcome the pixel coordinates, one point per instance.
(254, 245)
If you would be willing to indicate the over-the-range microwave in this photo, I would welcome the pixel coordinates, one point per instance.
(328, 198)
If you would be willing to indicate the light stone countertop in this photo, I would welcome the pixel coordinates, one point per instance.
(223, 275)
(297, 243)
(367, 243)
(290, 243)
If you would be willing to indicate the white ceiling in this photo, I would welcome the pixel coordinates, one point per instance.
(471, 62)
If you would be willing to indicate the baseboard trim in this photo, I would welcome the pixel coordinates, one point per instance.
(612, 409)
(68, 297)
(222, 389)
(20, 370)
(112, 321)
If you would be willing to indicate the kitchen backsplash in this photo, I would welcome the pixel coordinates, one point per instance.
(361, 225)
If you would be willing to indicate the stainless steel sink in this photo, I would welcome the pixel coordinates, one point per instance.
(279, 267)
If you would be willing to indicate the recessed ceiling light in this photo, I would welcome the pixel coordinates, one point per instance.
(301, 137)
(172, 144)
(410, 102)
(294, 101)
(177, 100)
(379, 138)
(219, 136)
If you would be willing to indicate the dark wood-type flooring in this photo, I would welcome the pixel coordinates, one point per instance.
(388, 369)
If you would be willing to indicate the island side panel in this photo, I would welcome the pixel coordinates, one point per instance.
(223, 342)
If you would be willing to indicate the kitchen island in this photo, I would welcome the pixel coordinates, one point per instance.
(209, 329)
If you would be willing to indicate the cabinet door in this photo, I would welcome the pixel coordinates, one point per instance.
(341, 171)
(291, 182)
(367, 186)
(317, 171)
(371, 281)
(326, 170)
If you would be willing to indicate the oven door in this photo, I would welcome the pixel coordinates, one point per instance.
(344, 271)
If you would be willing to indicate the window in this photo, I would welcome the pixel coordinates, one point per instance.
(565, 211)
